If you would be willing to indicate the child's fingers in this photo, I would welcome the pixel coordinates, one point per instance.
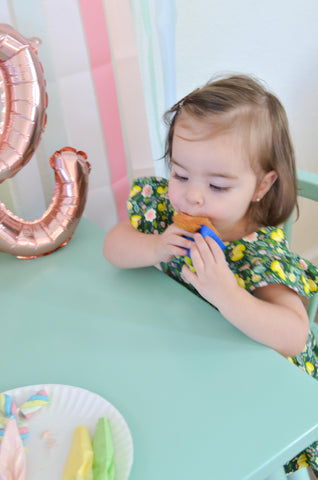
(180, 245)
(184, 242)
(206, 253)
(179, 231)
(197, 258)
(176, 245)
(204, 248)
(188, 276)
(215, 249)
(179, 251)
(207, 246)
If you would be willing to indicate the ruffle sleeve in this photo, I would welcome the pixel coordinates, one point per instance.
(264, 258)
(148, 205)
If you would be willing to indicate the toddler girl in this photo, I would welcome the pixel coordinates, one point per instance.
(231, 159)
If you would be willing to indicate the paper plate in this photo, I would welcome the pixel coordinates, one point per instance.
(52, 427)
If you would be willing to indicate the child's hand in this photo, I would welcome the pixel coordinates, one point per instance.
(172, 243)
(213, 278)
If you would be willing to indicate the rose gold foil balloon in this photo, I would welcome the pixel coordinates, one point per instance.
(23, 120)
(29, 239)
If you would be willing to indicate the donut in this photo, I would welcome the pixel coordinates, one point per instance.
(192, 224)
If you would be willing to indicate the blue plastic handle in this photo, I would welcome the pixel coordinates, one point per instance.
(208, 232)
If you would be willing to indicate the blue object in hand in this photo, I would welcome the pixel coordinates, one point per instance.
(208, 232)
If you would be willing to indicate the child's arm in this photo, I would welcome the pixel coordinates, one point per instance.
(126, 247)
(274, 315)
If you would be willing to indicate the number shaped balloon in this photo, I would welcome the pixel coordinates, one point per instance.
(23, 119)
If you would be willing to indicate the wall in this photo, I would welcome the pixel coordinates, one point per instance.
(275, 41)
(96, 103)
(114, 66)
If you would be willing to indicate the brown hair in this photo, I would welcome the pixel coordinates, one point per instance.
(240, 102)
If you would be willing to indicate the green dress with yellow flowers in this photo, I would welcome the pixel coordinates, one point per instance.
(256, 260)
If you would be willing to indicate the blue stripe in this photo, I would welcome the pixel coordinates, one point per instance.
(38, 397)
(7, 404)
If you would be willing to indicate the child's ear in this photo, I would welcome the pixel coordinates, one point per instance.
(265, 185)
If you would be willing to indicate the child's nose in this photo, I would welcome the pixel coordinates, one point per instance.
(195, 195)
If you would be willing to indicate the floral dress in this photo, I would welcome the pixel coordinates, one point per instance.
(256, 260)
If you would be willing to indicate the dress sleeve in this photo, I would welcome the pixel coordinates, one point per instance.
(265, 259)
(148, 206)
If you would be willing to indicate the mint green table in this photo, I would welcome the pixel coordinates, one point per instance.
(202, 400)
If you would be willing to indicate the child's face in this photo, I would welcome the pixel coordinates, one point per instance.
(211, 176)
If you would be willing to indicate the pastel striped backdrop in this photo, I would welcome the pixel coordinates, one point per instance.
(106, 65)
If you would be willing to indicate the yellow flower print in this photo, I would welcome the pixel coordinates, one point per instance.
(302, 460)
(292, 278)
(135, 220)
(129, 206)
(256, 278)
(281, 274)
(136, 189)
(276, 267)
(240, 281)
(188, 262)
(237, 252)
(162, 190)
(306, 284)
(312, 285)
(309, 368)
(161, 207)
(292, 360)
(277, 235)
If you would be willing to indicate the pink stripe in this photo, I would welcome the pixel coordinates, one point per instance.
(24, 430)
(94, 21)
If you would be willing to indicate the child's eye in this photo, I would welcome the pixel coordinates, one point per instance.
(218, 188)
(181, 178)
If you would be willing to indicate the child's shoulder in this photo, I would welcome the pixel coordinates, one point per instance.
(148, 183)
(149, 187)
(148, 205)
(267, 240)
(264, 258)
(273, 237)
